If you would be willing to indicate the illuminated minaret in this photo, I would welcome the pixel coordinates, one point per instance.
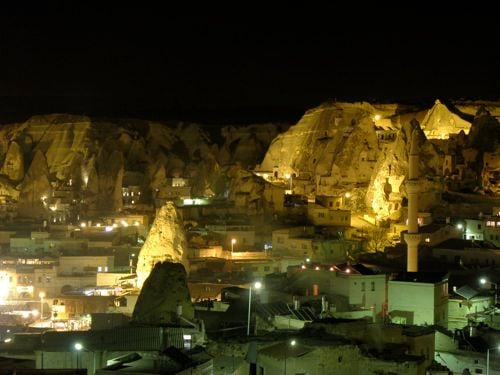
(412, 238)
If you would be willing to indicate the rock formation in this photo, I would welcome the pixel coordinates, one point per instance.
(392, 169)
(337, 141)
(13, 165)
(165, 294)
(491, 171)
(110, 169)
(166, 242)
(440, 122)
(35, 189)
(334, 149)
(246, 144)
(98, 158)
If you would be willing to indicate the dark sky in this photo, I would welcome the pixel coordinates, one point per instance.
(242, 65)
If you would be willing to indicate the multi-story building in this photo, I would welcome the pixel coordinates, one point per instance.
(418, 298)
(320, 215)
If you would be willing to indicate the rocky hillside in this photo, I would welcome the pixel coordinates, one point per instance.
(97, 158)
(342, 147)
(337, 140)
(335, 148)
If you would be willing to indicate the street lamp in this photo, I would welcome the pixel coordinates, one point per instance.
(131, 262)
(485, 281)
(233, 241)
(256, 285)
(292, 343)
(488, 358)
(78, 348)
(42, 296)
(290, 177)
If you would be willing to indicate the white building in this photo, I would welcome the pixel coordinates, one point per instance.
(362, 287)
(418, 298)
(320, 215)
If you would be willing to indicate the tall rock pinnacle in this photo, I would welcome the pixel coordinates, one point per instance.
(166, 242)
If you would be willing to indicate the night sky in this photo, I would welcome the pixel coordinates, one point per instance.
(237, 66)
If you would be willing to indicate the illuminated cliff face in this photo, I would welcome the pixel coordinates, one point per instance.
(336, 141)
(97, 159)
(440, 123)
(166, 241)
(386, 190)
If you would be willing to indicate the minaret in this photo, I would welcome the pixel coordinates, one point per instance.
(412, 238)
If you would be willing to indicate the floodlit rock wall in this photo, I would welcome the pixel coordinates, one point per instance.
(100, 157)
(337, 140)
(440, 122)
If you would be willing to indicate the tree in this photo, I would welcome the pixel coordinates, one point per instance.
(377, 239)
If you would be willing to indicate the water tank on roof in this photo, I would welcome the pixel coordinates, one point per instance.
(296, 303)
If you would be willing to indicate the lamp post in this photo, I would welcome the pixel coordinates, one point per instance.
(78, 348)
(42, 296)
(292, 344)
(256, 285)
(488, 358)
(347, 195)
(485, 281)
(131, 262)
(289, 177)
(233, 241)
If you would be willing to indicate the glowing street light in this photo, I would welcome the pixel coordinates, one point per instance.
(484, 281)
(131, 262)
(78, 347)
(488, 358)
(256, 285)
(233, 241)
(290, 177)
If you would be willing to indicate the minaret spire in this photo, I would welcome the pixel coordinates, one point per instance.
(412, 238)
